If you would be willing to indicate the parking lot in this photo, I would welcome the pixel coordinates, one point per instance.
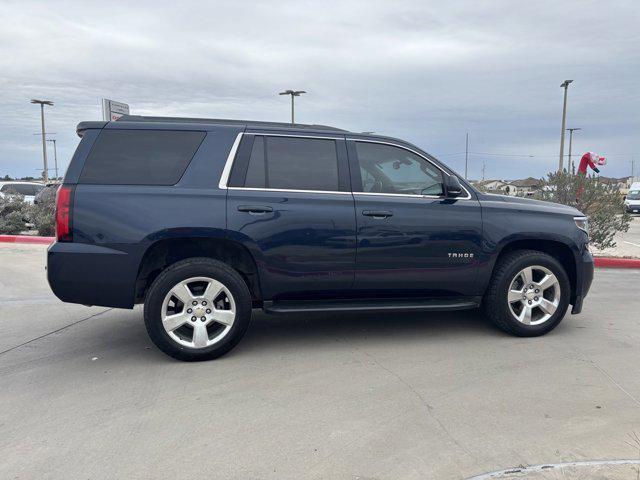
(627, 243)
(84, 393)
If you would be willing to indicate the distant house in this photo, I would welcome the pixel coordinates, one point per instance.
(622, 184)
(618, 182)
(493, 186)
(524, 188)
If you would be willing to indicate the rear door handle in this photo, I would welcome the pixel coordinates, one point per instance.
(377, 213)
(255, 209)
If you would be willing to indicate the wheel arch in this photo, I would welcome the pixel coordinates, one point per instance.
(165, 252)
(553, 247)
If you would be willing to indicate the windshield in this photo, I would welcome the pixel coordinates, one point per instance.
(633, 195)
(22, 188)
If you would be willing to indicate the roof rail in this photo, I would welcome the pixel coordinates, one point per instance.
(224, 121)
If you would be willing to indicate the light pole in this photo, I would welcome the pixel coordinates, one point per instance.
(293, 93)
(466, 157)
(42, 103)
(55, 155)
(564, 85)
(571, 130)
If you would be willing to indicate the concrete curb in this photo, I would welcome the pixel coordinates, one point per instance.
(600, 262)
(26, 239)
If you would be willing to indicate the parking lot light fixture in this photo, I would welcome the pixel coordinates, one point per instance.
(570, 163)
(42, 103)
(564, 85)
(293, 93)
(55, 155)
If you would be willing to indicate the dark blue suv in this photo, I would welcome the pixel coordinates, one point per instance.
(203, 220)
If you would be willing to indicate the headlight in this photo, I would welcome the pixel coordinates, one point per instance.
(582, 223)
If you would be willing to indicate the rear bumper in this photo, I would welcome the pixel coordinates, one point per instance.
(91, 274)
(584, 277)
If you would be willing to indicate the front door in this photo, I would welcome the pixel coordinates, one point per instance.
(289, 203)
(411, 239)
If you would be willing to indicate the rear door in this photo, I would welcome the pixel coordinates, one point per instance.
(289, 202)
(411, 239)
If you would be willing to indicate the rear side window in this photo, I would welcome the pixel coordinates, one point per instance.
(290, 163)
(140, 157)
(257, 169)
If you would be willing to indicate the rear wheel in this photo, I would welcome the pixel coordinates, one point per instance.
(197, 309)
(528, 294)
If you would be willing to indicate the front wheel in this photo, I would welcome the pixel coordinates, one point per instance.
(197, 309)
(528, 294)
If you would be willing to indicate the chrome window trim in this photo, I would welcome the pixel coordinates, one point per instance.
(226, 171)
(412, 195)
(287, 190)
(419, 155)
(224, 178)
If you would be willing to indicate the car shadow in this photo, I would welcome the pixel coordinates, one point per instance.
(317, 330)
(122, 335)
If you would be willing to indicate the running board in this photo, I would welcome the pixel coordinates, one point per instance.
(370, 305)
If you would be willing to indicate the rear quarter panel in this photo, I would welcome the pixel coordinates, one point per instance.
(114, 225)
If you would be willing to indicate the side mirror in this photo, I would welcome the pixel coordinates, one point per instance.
(452, 186)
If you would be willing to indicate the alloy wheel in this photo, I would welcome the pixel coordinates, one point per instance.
(534, 295)
(198, 312)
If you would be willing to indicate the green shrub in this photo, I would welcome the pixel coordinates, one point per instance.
(601, 202)
(43, 213)
(13, 214)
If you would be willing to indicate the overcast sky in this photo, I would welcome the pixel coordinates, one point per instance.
(426, 71)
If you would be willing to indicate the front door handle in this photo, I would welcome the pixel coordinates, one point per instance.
(377, 213)
(255, 209)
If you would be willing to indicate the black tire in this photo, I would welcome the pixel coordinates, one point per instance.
(196, 267)
(495, 305)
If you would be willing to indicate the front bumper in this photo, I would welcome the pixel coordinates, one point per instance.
(584, 278)
(632, 208)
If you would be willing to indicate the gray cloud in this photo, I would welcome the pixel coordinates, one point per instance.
(424, 71)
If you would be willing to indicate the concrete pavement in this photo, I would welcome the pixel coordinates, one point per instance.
(417, 396)
(628, 243)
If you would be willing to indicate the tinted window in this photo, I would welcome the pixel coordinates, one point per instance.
(140, 157)
(22, 188)
(294, 164)
(388, 169)
(257, 167)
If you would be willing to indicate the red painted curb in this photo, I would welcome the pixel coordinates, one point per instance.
(613, 262)
(26, 239)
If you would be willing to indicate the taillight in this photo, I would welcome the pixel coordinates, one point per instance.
(64, 204)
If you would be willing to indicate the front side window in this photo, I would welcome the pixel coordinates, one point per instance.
(389, 169)
(290, 163)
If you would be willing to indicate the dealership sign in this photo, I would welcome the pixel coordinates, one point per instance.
(112, 110)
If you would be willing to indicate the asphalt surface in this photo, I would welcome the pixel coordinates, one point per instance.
(85, 395)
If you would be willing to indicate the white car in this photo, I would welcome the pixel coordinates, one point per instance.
(27, 189)
(632, 201)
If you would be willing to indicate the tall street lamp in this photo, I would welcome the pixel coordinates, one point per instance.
(571, 130)
(42, 103)
(564, 85)
(55, 154)
(293, 93)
